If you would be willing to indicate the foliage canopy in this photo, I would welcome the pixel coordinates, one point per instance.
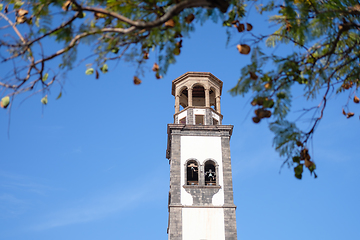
(325, 61)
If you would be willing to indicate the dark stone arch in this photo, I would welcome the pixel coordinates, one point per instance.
(192, 172)
(184, 97)
(211, 171)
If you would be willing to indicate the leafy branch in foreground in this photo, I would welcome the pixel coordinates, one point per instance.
(326, 35)
(325, 62)
(116, 30)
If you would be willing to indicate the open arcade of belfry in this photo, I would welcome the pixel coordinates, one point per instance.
(201, 204)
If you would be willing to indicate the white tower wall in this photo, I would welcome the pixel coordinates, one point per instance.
(201, 205)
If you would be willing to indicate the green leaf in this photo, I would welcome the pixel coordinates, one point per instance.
(45, 77)
(89, 71)
(176, 51)
(44, 100)
(104, 68)
(115, 50)
(286, 136)
(18, 4)
(298, 171)
(5, 101)
(82, 15)
(1, 6)
(296, 159)
(312, 167)
(37, 22)
(59, 96)
(281, 95)
(268, 103)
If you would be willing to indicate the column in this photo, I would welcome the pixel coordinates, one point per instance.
(217, 100)
(207, 97)
(190, 97)
(177, 103)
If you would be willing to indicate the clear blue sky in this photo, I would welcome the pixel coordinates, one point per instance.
(92, 165)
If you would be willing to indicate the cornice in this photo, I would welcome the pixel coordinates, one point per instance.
(186, 75)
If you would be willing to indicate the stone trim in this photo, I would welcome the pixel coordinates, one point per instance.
(201, 173)
(208, 116)
(176, 118)
(201, 186)
(216, 169)
(175, 169)
(175, 223)
(199, 170)
(208, 110)
(201, 206)
(175, 216)
(195, 130)
(202, 196)
(190, 119)
(227, 173)
(186, 75)
(201, 193)
(230, 224)
(200, 130)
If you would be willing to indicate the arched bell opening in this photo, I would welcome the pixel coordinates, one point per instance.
(212, 98)
(184, 98)
(210, 173)
(198, 96)
(192, 173)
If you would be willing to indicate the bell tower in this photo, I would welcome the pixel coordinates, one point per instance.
(201, 205)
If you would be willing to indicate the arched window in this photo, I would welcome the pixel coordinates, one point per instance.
(210, 173)
(212, 98)
(184, 98)
(198, 95)
(192, 173)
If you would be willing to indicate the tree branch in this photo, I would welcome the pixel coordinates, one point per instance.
(13, 26)
(173, 11)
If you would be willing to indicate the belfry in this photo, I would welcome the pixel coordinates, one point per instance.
(201, 205)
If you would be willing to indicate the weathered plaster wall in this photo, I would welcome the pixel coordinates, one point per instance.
(203, 223)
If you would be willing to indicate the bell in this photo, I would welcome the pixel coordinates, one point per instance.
(192, 165)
